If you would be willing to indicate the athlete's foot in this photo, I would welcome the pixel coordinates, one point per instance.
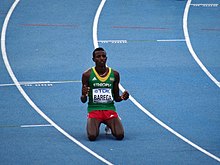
(108, 131)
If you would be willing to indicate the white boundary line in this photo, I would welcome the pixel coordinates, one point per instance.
(172, 40)
(205, 5)
(26, 126)
(95, 23)
(38, 125)
(113, 41)
(34, 106)
(126, 41)
(42, 82)
(189, 45)
(145, 110)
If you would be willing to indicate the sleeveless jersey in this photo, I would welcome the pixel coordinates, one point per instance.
(101, 91)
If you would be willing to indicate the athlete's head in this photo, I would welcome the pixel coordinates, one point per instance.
(98, 49)
(99, 56)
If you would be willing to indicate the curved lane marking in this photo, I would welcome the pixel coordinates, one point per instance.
(95, 42)
(189, 45)
(27, 98)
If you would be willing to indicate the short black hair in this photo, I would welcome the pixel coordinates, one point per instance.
(97, 49)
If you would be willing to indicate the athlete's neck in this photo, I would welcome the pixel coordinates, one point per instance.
(102, 70)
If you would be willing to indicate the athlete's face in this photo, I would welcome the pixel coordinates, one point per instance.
(100, 58)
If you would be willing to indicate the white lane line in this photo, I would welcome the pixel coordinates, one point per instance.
(38, 125)
(189, 45)
(151, 115)
(169, 128)
(42, 82)
(127, 41)
(205, 5)
(113, 41)
(34, 106)
(172, 40)
(95, 23)
(26, 126)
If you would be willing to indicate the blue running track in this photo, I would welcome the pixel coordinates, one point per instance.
(168, 56)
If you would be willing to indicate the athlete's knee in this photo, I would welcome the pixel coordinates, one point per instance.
(92, 137)
(120, 136)
(92, 129)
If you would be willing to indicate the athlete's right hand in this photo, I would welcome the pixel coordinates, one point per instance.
(85, 90)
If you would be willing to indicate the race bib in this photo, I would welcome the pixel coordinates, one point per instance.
(102, 95)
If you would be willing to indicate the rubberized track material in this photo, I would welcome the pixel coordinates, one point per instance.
(166, 52)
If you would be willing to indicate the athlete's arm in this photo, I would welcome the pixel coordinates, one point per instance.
(117, 97)
(85, 85)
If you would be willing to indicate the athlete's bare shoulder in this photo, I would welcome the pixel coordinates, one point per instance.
(117, 77)
(116, 73)
(87, 72)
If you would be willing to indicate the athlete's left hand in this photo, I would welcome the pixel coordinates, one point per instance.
(125, 95)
